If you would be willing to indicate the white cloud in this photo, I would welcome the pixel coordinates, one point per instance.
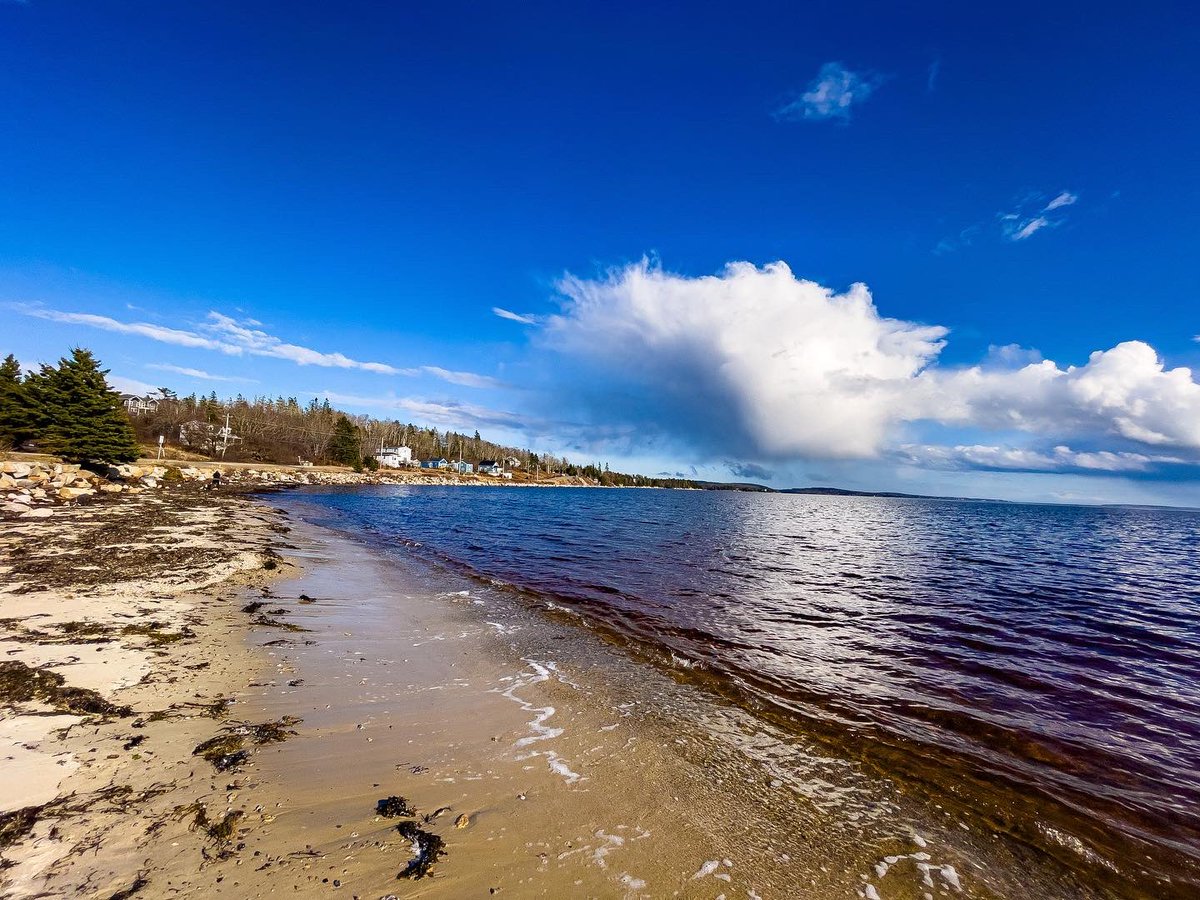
(195, 373)
(757, 363)
(523, 318)
(1125, 394)
(224, 334)
(1066, 198)
(754, 357)
(831, 94)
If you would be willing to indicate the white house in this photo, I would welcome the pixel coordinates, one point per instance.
(491, 467)
(136, 405)
(395, 457)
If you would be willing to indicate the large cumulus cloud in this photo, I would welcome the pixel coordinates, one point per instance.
(758, 361)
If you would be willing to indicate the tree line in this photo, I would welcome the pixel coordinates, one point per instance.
(71, 411)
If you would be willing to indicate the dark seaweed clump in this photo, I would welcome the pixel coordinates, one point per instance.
(253, 606)
(228, 749)
(15, 825)
(391, 807)
(429, 848)
(20, 683)
(224, 751)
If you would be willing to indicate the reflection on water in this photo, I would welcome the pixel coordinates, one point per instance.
(1039, 663)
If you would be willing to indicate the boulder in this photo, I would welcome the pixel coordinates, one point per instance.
(74, 493)
(7, 482)
(111, 488)
(149, 482)
(16, 469)
(13, 506)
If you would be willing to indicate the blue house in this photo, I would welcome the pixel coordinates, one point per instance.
(462, 467)
(439, 463)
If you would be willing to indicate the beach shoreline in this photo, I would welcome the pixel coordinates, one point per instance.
(326, 673)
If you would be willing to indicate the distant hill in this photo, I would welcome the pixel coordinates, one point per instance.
(827, 491)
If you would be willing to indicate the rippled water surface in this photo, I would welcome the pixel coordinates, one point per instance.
(1038, 664)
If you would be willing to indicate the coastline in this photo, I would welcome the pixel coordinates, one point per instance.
(544, 760)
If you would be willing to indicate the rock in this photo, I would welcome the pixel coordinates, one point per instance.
(14, 507)
(16, 469)
(149, 482)
(462, 821)
(7, 481)
(43, 512)
(74, 493)
(111, 488)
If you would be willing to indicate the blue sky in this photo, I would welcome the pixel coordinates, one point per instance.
(274, 194)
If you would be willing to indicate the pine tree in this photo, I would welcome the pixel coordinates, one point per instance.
(79, 417)
(345, 448)
(16, 414)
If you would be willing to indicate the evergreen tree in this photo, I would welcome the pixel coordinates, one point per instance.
(79, 417)
(16, 414)
(345, 447)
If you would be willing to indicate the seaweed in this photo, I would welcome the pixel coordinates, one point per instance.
(392, 807)
(15, 825)
(20, 683)
(275, 623)
(224, 751)
(228, 749)
(220, 831)
(253, 606)
(427, 846)
(158, 637)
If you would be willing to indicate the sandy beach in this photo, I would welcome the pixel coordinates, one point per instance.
(268, 707)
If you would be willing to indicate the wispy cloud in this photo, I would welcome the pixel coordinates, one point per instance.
(1030, 214)
(234, 337)
(466, 379)
(1022, 224)
(830, 95)
(935, 69)
(1029, 228)
(1022, 459)
(446, 413)
(199, 374)
(1066, 198)
(523, 318)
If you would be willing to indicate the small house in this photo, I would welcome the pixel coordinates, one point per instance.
(395, 457)
(491, 467)
(462, 467)
(439, 463)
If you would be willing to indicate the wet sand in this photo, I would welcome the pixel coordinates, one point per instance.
(548, 762)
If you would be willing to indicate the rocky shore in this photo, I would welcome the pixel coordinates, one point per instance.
(31, 488)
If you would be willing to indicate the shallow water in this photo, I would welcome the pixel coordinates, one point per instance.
(1036, 667)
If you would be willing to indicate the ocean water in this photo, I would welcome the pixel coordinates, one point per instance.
(1036, 665)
